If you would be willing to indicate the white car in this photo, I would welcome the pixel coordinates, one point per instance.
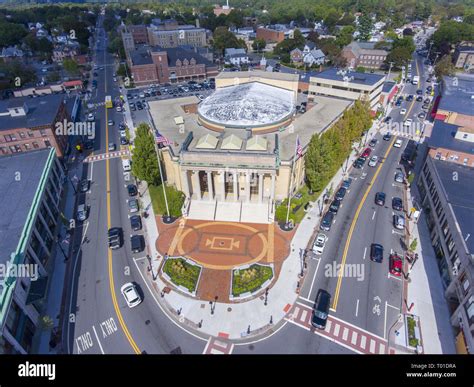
(408, 122)
(373, 161)
(110, 122)
(90, 117)
(319, 244)
(403, 111)
(118, 109)
(398, 143)
(129, 291)
(115, 79)
(111, 146)
(123, 133)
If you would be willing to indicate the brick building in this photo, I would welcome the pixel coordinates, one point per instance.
(270, 35)
(179, 36)
(27, 124)
(151, 65)
(364, 54)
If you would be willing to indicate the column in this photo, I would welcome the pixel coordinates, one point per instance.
(236, 177)
(247, 185)
(260, 187)
(272, 189)
(220, 186)
(210, 189)
(197, 185)
(184, 183)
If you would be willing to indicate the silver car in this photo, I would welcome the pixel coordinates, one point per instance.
(133, 205)
(399, 177)
(399, 222)
(81, 212)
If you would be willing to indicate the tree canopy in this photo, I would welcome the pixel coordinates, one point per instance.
(144, 159)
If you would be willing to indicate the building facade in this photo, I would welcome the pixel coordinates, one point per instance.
(181, 36)
(364, 54)
(28, 239)
(348, 85)
(464, 56)
(30, 123)
(270, 35)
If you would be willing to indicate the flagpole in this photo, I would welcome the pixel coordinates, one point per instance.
(163, 183)
(291, 184)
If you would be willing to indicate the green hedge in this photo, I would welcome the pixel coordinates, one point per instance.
(250, 279)
(412, 340)
(182, 273)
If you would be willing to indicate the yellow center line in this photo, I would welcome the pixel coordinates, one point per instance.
(109, 225)
(353, 224)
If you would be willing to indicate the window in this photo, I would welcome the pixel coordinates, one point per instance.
(13, 149)
(465, 283)
(35, 144)
(465, 161)
(47, 143)
(27, 146)
(31, 134)
(22, 134)
(9, 137)
(4, 150)
(43, 132)
(438, 156)
(445, 228)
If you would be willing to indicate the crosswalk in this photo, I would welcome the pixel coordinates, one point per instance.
(218, 346)
(341, 332)
(105, 156)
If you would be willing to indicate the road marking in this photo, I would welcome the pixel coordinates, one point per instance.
(345, 333)
(306, 299)
(304, 315)
(365, 252)
(363, 342)
(337, 327)
(357, 308)
(314, 277)
(97, 337)
(372, 346)
(354, 221)
(373, 215)
(328, 326)
(397, 232)
(109, 251)
(381, 348)
(354, 337)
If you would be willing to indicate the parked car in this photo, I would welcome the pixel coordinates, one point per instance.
(90, 117)
(334, 207)
(347, 183)
(399, 177)
(81, 212)
(373, 161)
(409, 98)
(341, 192)
(373, 143)
(397, 204)
(359, 163)
(403, 111)
(395, 264)
(111, 146)
(387, 120)
(376, 252)
(133, 205)
(326, 221)
(137, 243)
(419, 99)
(115, 237)
(84, 185)
(132, 190)
(422, 115)
(123, 140)
(319, 244)
(130, 293)
(136, 222)
(380, 198)
(321, 309)
(366, 153)
(399, 222)
(387, 137)
(111, 122)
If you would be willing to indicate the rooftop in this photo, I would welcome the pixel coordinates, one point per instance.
(41, 111)
(141, 55)
(258, 73)
(335, 74)
(18, 195)
(459, 196)
(442, 136)
(458, 94)
(388, 86)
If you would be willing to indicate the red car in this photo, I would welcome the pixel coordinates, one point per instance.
(395, 265)
(366, 153)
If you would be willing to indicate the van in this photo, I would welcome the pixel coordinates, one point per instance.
(321, 309)
(416, 80)
(127, 167)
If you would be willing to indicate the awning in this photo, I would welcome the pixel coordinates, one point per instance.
(37, 290)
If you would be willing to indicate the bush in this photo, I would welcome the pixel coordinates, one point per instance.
(182, 273)
(175, 200)
(250, 279)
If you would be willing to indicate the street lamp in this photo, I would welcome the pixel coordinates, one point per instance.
(266, 297)
(213, 304)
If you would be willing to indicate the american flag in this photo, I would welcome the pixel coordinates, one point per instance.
(163, 140)
(299, 148)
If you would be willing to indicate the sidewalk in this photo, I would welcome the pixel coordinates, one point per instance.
(426, 292)
(239, 320)
(58, 272)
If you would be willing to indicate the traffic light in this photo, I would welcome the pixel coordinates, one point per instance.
(79, 148)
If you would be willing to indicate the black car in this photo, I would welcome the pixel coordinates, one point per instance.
(425, 106)
(359, 163)
(380, 198)
(397, 204)
(341, 192)
(373, 142)
(334, 207)
(89, 144)
(115, 237)
(84, 185)
(327, 220)
(347, 183)
(376, 252)
(419, 92)
(427, 101)
(123, 141)
(387, 137)
(136, 222)
(419, 99)
(409, 98)
(387, 120)
(137, 243)
(321, 309)
(132, 190)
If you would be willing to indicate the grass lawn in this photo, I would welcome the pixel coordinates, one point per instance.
(250, 279)
(299, 214)
(182, 273)
(175, 200)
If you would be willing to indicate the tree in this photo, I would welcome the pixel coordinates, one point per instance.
(407, 32)
(331, 20)
(116, 46)
(11, 33)
(313, 36)
(259, 44)
(223, 39)
(365, 26)
(345, 36)
(144, 159)
(449, 34)
(71, 66)
(287, 45)
(400, 56)
(360, 69)
(444, 67)
(413, 244)
(53, 77)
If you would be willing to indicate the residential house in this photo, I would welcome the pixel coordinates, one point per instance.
(11, 53)
(464, 56)
(296, 56)
(236, 56)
